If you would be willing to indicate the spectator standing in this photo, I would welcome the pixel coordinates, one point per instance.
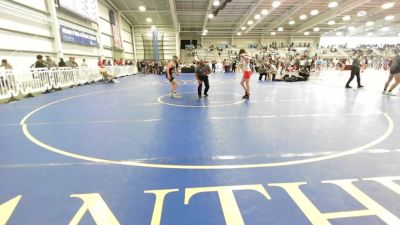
(213, 64)
(39, 62)
(61, 63)
(6, 64)
(71, 62)
(84, 64)
(50, 62)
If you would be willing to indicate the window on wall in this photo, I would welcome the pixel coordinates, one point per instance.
(188, 44)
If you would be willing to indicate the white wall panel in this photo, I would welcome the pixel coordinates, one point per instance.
(129, 56)
(10, 21)
(21, 42)
(127, 47)
(125, 25)
(108, 53)
(105, 27)
(107, 40)
(126, 36)
(37, 4)
(104, 11)
(73, 49)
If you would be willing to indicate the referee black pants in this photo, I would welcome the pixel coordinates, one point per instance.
(206, 83)
(355, 71)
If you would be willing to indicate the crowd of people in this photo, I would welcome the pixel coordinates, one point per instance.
(294, 66)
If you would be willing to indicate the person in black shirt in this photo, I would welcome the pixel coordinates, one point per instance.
(213, 64)
(201, 72)
(234, 66)
(39, 62)
(355, 71)
(61, 63)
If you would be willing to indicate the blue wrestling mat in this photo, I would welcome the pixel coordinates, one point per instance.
(299, 153)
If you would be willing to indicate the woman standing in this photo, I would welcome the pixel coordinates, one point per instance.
(245, 82)
(355, 71)
(171, 66)
(394, 73)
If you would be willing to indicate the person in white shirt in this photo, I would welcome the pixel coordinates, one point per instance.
(245, 82)
(84, 64)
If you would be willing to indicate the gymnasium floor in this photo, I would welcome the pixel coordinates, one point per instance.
(294, 154)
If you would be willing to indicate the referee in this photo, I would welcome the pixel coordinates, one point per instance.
(201, 72)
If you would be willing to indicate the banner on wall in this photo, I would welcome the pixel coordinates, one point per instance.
(155, 46)
(115, 27)
(77, 37)
(84, 8)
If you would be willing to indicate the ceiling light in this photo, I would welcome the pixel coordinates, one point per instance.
(153, 27)
(148, 34)
(250, 22)
(303, 17)
(264, 12)
(273, 33)
(149, 20)
(388, 18)
(307, 33)
(257, 16)
(239, 33)
(205, 31)
(387, 5)
(361, 13)
(291, 22)
(316, 29)
(398, 34)
(333, 4)
(216, 3)
(276, 4)
(332, 22)
(351, 28)
(370, 34)
(314, 12)
(385, 28)
(346, 18)
(370, 23)
(243, 28)
(339, 33)
(142, 8)
(210, 16)
(204, 34)
(280, 29)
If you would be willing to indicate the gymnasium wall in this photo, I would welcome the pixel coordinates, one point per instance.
(243, 41)
(169, 44)
(25, 31)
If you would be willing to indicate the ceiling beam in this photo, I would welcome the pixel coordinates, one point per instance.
(210, 4)
(330, 14)
(359, 19)
(282, 19)
(147, 11)
(377, 24)
(248, 14)
(172, 7)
